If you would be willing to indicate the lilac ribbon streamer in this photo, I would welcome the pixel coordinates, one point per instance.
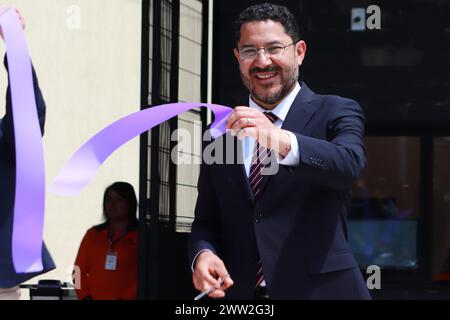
(84, 164)
(29, 205)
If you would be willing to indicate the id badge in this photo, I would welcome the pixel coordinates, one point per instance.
(111, 261)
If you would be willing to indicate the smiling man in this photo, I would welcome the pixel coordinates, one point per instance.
(280, 235)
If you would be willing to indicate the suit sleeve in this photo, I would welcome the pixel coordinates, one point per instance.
(337, 161)
(205, 228)
(81, 266)
(6, 123)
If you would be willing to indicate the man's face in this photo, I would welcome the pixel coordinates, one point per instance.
(269, 80)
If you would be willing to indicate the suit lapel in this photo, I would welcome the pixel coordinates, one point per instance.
(234, 164)
(301, 111)
(299, 114)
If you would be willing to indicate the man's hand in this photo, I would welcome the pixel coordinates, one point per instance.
(21, 18)
(245, 121)
(209, 271)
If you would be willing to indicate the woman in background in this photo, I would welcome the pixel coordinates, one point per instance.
(106, 264)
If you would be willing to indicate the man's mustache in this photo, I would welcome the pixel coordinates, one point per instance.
(268, 69)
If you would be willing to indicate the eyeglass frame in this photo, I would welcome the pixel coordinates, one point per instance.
(265, 51)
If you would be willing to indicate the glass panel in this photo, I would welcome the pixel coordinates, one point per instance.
(385, 206)
(441, 209)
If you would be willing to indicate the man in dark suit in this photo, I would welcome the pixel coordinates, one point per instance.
(9, 278)
(279, 234)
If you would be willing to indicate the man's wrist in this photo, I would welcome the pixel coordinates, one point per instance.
(285, 144)
(194, 262)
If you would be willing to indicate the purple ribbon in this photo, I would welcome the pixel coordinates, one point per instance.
(29, 203)
(84, 164)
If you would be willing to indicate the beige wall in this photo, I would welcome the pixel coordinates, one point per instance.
(87, 57)
(189, 91)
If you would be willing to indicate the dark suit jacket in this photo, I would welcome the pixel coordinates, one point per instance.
(297, 223)
(8, 276)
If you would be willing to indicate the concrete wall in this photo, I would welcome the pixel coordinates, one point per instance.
(87, 57)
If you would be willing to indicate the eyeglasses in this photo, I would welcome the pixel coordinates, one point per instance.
(273, 52)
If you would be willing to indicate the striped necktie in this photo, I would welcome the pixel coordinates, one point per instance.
(259, 160)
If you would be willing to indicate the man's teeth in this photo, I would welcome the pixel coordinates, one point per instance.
(265, 76)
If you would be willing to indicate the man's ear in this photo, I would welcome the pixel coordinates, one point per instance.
(236, 54)
(301, 51)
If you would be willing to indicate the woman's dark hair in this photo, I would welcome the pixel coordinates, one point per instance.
(268, 11)
(126, 191)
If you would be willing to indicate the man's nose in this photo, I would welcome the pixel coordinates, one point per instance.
(261, 58)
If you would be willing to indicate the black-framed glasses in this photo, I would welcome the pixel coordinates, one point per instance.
(275, 51)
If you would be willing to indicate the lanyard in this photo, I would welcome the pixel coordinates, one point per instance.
(112, 241)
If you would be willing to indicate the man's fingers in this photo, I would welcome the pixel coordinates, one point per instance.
(239, 115)
(241, 108)
(244, 123)
(217, 294)
(247, 132)
(242, 112)
(210, 273)
(209, 281)
(204, 281)
(228, 282)
(220, 292)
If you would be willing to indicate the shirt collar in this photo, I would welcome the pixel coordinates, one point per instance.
(282, 109)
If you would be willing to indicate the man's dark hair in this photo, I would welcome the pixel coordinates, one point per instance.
(268, 11)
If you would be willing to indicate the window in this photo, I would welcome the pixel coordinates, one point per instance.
(382, 224)
(441, 206)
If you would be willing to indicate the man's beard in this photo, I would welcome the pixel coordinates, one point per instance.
(286, 86)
